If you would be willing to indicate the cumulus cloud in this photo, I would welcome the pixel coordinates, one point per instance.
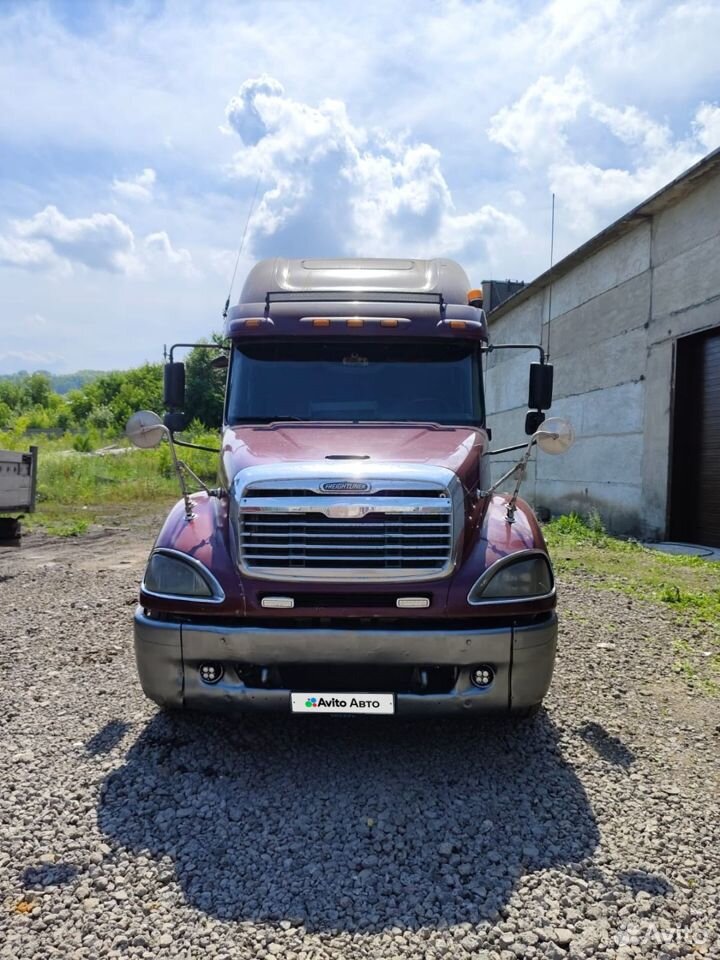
(534, 128)
(706, 125)
(159, 249)
(544, 129)
(50, 241)
(567, 25)
(137, 188)
(27, 254)
(331, 187)
(101, 241)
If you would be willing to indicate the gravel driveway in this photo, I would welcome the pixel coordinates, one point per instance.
(128, 833)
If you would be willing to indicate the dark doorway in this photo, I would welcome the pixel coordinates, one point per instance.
(695, 481)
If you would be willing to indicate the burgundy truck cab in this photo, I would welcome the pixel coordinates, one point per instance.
(355, 557)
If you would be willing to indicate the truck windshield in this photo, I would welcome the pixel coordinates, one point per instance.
(356, 380)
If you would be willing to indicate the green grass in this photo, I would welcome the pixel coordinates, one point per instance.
(689, 587)
(77, 488)
(58, 525)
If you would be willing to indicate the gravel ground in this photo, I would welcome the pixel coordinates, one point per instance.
(128, 833)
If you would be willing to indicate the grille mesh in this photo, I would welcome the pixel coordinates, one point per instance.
(383, 540)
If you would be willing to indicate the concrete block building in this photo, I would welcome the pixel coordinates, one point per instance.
(633, 328)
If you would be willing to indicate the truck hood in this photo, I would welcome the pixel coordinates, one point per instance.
(458, 448)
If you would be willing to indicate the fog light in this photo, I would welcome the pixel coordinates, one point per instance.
(483, 675)
(277, 603)
(412, 603)
(211, 672)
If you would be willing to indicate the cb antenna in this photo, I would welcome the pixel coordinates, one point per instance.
(240, 248)
(550, 277)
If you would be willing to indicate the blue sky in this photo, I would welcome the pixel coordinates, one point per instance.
(133, 134)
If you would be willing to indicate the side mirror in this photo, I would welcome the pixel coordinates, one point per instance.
(533, 419)
(540, 388)
(174, 386)
(556, 435)
(145, 429)
(176, 421)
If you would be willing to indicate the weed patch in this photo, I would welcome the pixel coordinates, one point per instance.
(76, 485)
(688, 587)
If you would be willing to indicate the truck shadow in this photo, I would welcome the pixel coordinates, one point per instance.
(348, 824)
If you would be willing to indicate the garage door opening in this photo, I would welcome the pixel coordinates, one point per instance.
(695, 475)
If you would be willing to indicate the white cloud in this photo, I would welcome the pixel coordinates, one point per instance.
(27, 254)
(331, 187)
(159, 250)
(137, 188)
(547, 128)
(101, 241)
(50, 241)
(535, 126)
(565, 25)
(706, 125)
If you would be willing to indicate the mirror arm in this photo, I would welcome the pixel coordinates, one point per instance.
(519, 469)
(196, 478)
(189, 515)
(201, 346)
(491, 347)
(194, 446)
(519, 466)
(515, 446)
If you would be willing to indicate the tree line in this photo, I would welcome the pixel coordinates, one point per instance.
(59, 382)
(104, 403)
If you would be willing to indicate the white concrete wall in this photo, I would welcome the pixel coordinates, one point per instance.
(615, 319)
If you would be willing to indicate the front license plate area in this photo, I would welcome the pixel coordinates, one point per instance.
(344, 703)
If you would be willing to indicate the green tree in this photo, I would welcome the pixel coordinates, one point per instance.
(205, 385)
(5, 415)
(38, 389)
(115, 396)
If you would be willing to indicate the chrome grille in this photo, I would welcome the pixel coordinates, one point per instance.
(380, 536)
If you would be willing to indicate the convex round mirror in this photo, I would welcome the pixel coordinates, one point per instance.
(145, 429)
(555, 435)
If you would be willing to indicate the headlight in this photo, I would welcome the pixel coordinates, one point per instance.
(519, 579)
(171, 576)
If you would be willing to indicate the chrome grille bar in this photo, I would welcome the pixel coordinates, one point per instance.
(326, 505)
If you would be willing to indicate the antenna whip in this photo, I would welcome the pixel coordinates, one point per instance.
(552, 252)
(240, 248)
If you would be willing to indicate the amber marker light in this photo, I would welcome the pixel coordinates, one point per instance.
(321, 322)
(355, 322)
(475, 298)
(253, 322)
(457, 324)
(389, 322)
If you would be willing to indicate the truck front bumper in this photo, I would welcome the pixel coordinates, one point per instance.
(169, 657)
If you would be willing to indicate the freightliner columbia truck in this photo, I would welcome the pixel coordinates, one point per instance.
(355, 556)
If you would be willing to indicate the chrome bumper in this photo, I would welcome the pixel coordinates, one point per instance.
(169, 656)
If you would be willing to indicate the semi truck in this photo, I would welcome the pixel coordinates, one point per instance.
(355, 557)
